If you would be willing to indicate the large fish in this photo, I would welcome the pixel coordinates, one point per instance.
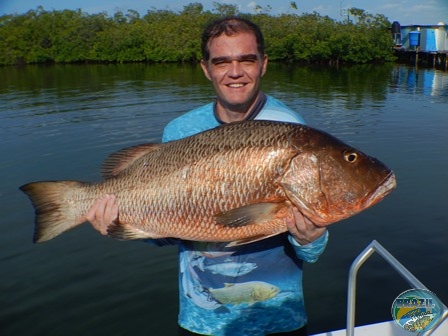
(235, 183)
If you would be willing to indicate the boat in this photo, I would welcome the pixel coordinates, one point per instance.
(386, 328)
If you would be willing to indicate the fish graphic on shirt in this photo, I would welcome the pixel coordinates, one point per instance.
(245, 292)
(231, 269)
(193, 290)
(199, 295)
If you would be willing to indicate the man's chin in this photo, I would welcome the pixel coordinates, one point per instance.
(238, 103)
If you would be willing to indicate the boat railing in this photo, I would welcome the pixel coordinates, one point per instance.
(374, 246)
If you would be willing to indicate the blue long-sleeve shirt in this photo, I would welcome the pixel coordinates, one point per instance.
(254, 289)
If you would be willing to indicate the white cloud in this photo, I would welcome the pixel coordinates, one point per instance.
(251, 5)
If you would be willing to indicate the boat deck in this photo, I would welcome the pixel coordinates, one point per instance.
(389, 328)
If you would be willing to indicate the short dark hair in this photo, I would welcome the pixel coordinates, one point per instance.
(230, 26)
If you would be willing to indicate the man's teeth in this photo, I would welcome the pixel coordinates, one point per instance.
(236, 85)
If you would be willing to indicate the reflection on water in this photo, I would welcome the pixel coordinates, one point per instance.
(426, 82)
(60, 122)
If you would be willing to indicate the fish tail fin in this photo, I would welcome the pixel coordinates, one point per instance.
(53, 212)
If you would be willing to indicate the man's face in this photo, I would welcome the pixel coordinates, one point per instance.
(235, 69)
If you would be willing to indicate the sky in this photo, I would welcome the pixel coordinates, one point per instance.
(406, 12)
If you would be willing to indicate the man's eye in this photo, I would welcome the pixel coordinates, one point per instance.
(220, 63)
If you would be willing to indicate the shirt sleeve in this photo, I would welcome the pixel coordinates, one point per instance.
(168, 134)
(310, 252)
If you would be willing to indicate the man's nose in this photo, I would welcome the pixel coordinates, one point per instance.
(235, 69)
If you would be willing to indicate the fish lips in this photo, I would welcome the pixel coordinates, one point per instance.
(384, 188)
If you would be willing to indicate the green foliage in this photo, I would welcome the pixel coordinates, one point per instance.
(225, 9)
(68, 36)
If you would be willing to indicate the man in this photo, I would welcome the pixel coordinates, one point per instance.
(254, 289)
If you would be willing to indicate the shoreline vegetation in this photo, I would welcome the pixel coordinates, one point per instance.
(73, 36)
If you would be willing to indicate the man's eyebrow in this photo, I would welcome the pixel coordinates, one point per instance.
(240, 58)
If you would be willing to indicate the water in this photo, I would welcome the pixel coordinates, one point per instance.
(60, 122)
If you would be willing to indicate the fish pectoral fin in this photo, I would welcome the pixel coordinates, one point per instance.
(249, 214)
(126, 232)
(120, 160)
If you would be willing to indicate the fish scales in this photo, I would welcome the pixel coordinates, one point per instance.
(235, 183)
(201, 199)
(200, 175)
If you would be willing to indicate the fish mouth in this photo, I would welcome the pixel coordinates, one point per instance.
(273, 292)
(385, 187)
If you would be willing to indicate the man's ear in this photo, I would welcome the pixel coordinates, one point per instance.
(205, 69)
(265, 65)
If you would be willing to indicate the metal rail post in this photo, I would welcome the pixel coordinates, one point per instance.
(374, 246)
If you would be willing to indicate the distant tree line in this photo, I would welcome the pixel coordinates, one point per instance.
(69, 36)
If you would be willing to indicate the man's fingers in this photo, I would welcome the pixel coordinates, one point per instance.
(302, 229)
(102, 213)
(111, 210)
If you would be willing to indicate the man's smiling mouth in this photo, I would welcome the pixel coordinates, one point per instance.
(236, 85)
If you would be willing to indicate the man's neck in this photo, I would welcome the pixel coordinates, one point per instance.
(228, 114)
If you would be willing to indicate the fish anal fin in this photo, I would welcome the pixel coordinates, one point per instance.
(250, 214)
(126, 232)
(120, 160)
(250, 240)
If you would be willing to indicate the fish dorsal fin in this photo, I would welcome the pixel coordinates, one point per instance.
(120, 160)
(249, 214)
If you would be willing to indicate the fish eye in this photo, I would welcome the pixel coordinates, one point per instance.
(350, 157)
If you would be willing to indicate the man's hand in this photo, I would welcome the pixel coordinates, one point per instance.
(302, 229)
(103, 213)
